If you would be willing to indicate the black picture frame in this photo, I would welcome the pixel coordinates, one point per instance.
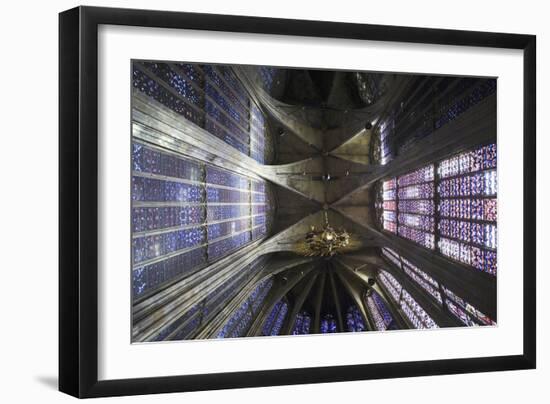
(78, 200)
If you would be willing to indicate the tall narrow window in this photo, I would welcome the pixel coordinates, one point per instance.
(275, 319)
(415, 212)
(389, 207)
(210, 97)
(302, 325)
(186, 214)
(416, 315)
(354, 320)
(241, 320)
(468, 208)
(381, 316)
(462, 310)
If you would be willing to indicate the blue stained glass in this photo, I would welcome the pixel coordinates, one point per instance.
(151, 88)
(275, 319)
(259, 232)
(226, 178)
(151, 276)
(185, 89)
(421, 237)
(227, 212)
(153, 190)
(223, 247)
(302, 325)
(192, 72)
(226, 195)
(328, 324)
(354, 320)
(423, 207)
(144, 219)
(420, 191)
(222, 229)
(232, 109)
(377, 308)
(214, 111)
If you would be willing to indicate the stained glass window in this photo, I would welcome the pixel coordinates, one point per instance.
(416, 315)
(414, 224)
(328, 324)
(388, 218)
(186, 214)
(468, 208)
(275, 319)
(211, 97)
(463, 225)
(241, 320)
(379, 311)
(302, 325)
(354, 320)
(461, 309)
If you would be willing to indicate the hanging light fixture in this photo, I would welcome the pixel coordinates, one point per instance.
(325, 242)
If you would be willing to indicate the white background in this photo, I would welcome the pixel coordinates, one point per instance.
(28, 349)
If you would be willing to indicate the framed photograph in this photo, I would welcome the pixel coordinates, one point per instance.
(251, 201)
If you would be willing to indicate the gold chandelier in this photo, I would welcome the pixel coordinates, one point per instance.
(326, 242)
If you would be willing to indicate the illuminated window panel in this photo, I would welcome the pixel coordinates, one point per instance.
(423, 207)
(215, 113)
(390, 283)
(258, 232)
(226, 178)
(354, 320)
(422, 175)
(415, 313)
(223, 134)
(149, 277)
(192, 72)
(145, 219)
(177, 82)
(464, 311)
(155, 190)
(149, 247)
(388, 216)
(232, 80)
(151, 88)
(379, 312)
(420, 222)
(214, 194)
(225, 212)
(482, 158)
(479, 184)
(192, 324)
(392, 256)
(412, 310)
(418, 236)
(218, 230)
(275, 319)
(425, 281)
(328, 324)
(235, 111)
(419, 191)
(241, 320)
(480, 92)
(468, 192)
(223, 247)
(302, 325)
(267, 75)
